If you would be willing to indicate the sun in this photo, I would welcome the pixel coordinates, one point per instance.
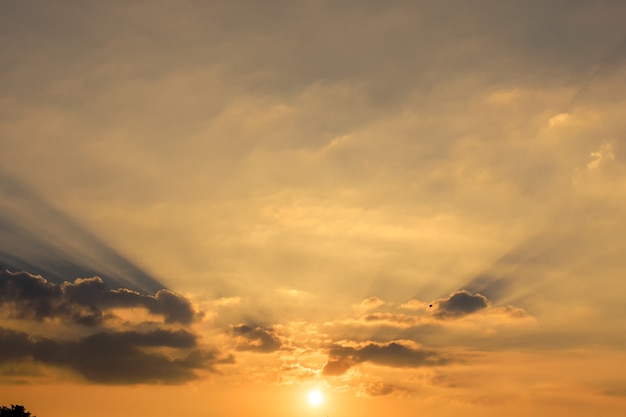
(315, 397)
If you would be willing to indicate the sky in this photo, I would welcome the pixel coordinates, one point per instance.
(218, 207)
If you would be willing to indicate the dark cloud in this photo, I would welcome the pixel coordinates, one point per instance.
(460, 303)
(13, 345)
(256, 338)
(117, 357)
(393, 354)
(85, 301)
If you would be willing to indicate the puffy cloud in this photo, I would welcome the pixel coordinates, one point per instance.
(398, 354)
(256, 339)
(152, 355)
(459, 304)
(116, 357)
(85, 301)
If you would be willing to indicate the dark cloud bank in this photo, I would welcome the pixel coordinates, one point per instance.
(164, 354)
(115, 358)
(85, 301)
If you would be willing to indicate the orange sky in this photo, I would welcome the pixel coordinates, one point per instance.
(215, 207)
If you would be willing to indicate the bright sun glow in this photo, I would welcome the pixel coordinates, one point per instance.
(315, 397)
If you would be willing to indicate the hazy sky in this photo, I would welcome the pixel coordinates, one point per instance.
(214, 207)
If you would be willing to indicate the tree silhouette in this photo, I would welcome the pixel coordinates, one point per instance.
(14, 411)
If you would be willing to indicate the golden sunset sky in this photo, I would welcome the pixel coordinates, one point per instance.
(213, 208)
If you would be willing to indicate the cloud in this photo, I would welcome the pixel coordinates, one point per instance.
(145, 353)
(256, 338)
(605, 153)
(370, 303)
(292, 293)
(558, 119)
(14, 346)
(462, 314)
(397, 354)
(376, 389)
(460, 303)
(86, 301)
(461, 319)
(336, 142)
(117, 357)
(403, 320)
(293, 371)
(227, 301)
(416, 305)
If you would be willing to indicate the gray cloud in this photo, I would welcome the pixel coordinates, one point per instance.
(393, 354)
(116, 358)
(85, 301)
(460, 304)
(14, 346)
(256, 338)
